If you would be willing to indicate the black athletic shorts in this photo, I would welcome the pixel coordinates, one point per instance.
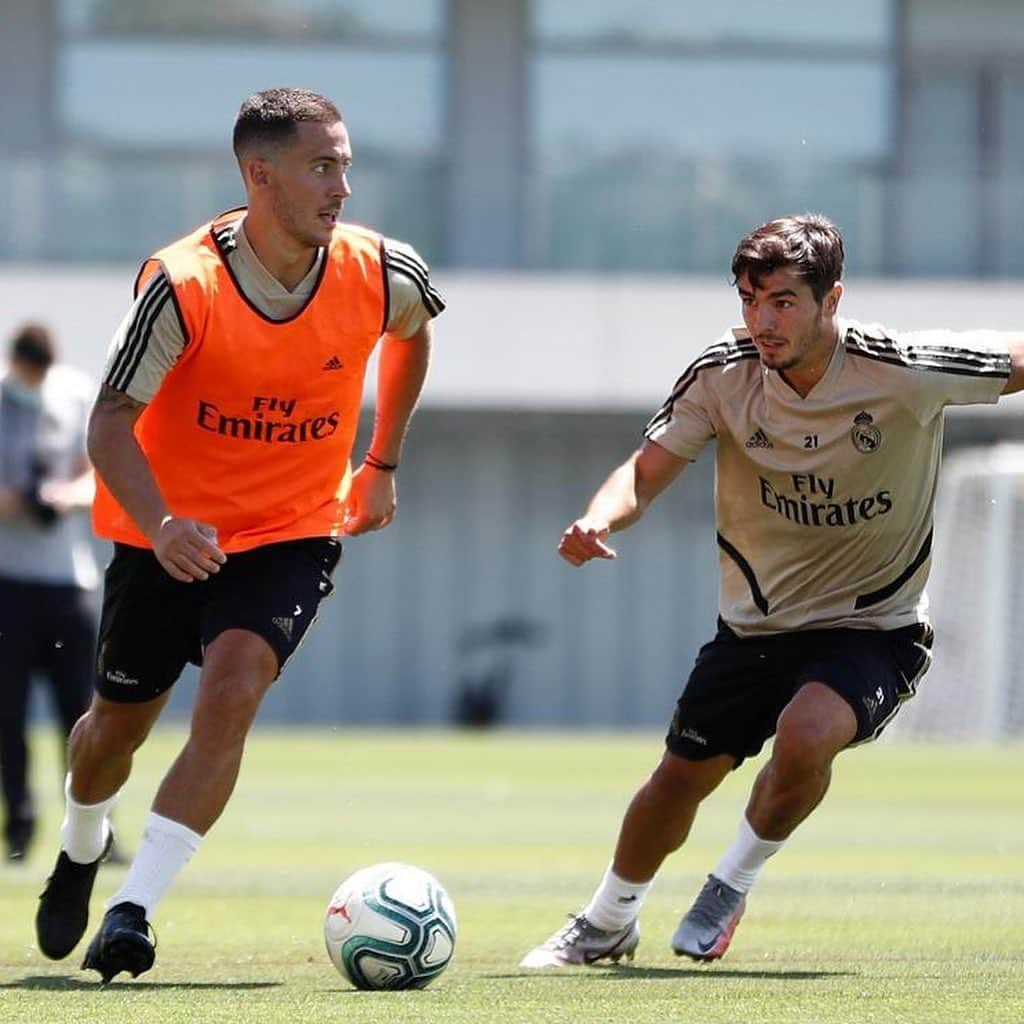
(152, 625)
(739, 686)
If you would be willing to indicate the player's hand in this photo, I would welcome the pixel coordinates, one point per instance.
(11, 503)
(67, 495)
(372, 501)
(187, 549)
(585, 540)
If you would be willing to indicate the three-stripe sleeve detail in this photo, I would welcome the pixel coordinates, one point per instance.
(386, 283)
(406, 263)
(717, 355)
(126, 362)
(942, 358)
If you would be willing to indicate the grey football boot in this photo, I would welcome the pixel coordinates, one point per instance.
(706, 930)
(580, 942)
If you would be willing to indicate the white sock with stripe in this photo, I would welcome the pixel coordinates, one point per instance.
(615, 902)
(166, 847)
(742, 862)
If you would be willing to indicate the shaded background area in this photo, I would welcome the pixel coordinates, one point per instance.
(545, 134)
(576, 172)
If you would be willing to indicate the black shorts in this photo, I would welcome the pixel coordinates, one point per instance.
(152, 625)
(739, 686)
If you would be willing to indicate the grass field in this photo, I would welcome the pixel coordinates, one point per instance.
(901, 900)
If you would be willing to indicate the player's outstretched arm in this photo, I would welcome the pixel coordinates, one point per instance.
(1016, 380)
(619, 502)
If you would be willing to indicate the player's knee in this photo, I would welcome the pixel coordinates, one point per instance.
(796, 759)
(804, 747)
(677, 780)
(226, 707)
(815, 725)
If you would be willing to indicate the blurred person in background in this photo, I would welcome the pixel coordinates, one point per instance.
(48, 573)
(221, 439)
(828, 437)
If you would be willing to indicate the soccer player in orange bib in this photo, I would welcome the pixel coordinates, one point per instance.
(828, 435)
(221, 439)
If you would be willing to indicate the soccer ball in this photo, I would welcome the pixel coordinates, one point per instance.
(390, 926)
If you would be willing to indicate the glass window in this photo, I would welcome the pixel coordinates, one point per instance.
(147, 92)
(661, 132)
(631, 178)
(1009, 186)
(316, 19)
(965, 30)
(942, 118)
(388, 100)
(1010, 123)
(771, 110)
(742, 21)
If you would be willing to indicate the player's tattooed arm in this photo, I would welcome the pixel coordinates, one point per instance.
(113, 401)
(120, 462)
(115, 452)
(186, 548)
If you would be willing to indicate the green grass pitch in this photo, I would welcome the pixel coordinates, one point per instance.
(900, 900)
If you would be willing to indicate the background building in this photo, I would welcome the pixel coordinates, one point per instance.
(577, 173)
(535, 134)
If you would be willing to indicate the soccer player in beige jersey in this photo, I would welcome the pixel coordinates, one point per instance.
(828, 435)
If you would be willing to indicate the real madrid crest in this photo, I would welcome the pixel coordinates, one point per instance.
(865, 435)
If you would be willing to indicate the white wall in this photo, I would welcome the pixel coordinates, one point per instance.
(540, 342)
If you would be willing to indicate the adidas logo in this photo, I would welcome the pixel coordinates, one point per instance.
(334, 363)
(759, 439)
(284, 624)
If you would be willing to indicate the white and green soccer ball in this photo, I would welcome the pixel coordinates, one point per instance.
(390, 926)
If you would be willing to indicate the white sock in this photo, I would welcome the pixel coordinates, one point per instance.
(166, 847)
(615, 902)
(83, 833)
(742, 862)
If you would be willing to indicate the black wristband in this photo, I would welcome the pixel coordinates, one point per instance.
(374, 463)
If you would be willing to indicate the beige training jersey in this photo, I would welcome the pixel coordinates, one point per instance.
(823, 504)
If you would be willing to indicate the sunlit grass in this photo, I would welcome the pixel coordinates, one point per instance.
(900, 900)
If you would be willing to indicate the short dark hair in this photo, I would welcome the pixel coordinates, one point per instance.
(809, 244)
(33, 344)
(270, 117)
